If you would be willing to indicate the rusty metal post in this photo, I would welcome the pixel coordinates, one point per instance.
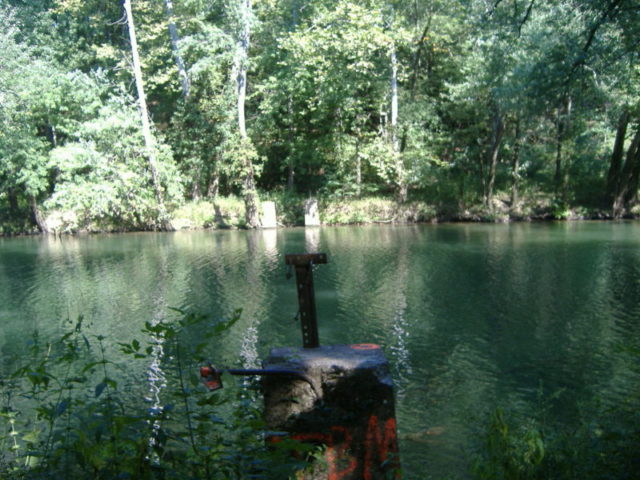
(303, 264)
(342, 398)
(339, 397)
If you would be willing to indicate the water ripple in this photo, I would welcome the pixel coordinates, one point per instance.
(470, 316)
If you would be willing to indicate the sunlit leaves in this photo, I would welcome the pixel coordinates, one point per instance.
(103, 176)
(318, 103)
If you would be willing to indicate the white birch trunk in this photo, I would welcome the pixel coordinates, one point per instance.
(395, 144)
(174, 38)
(144, 114)
(242, 58)
(394, 98)
(251, 200)
(290, 166)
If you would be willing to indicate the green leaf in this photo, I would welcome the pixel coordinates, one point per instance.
(31, 437)
(100, 388)
(91, 365)
(61, 407)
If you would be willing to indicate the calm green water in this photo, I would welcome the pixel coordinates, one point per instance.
(471, 316)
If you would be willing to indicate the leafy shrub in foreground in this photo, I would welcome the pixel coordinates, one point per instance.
(67, 413)
(602, 446)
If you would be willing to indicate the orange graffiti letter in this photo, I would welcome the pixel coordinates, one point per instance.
(383, 443)
(335, 457)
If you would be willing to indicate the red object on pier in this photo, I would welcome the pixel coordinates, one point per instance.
(211, 378)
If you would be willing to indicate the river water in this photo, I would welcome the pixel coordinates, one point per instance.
(471, 316)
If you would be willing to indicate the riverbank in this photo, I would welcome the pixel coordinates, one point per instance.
(228, 213)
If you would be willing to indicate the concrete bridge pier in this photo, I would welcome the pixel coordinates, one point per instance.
(343, 401)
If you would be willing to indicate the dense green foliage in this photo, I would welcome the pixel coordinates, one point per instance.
(63, 414)
(503, 105)
(531, 447)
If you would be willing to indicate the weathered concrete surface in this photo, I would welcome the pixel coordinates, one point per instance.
(346, 404)
(311, 213)
(269, 215)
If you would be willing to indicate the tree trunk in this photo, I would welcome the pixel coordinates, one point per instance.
(13, 202)
(494, 153)
(462, 203)
(196, 193)
(416, 67)
(290, 176)
(290, 167)
(515, 174)
(615, 166)
(144, 114)
(629, 178)
(401, 174)
(214, 185)
(634, 182)
(418, 53)
(394, 99)
(173, 36)
(557, 178)
(358, 168)
(241, 78)
(54, 135)
(291, 173)
(38, 217)
(561, 177)
(251, 199)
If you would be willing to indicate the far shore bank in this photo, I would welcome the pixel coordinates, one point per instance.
(228, 213)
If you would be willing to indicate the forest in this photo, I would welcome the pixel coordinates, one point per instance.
(131, 114)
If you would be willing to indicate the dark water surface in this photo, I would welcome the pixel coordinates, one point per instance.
(471, 316)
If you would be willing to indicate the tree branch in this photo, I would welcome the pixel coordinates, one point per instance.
(493, 9)
(526, 17)
(615, 4)
(418, 54)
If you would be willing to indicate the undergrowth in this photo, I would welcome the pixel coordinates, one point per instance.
(67, 413)
(603, 446)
